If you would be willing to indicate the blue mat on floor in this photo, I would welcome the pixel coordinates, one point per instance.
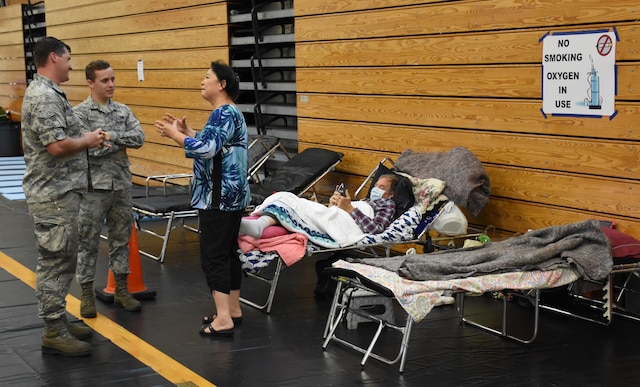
(11, 173)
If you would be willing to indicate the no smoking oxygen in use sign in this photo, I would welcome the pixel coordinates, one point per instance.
(578, 70)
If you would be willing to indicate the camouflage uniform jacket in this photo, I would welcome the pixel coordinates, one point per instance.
(109, 167)
(47, 117)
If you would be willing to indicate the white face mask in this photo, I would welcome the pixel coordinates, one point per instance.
(376, 193)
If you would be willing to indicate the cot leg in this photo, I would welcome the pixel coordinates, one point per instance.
(373, 343)
(165, 238)
(624, 285)
(332, 311)
(460, 306)
(405, 342)
(332, 325)
(503, 329)
(274, 284)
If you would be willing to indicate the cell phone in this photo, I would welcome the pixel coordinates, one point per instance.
(341, 189)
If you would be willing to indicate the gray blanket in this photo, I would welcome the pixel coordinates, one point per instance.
(582, 244)
(467, 183)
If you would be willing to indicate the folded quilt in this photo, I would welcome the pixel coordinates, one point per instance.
(290, 247)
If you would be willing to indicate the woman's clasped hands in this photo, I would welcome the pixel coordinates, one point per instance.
(170, 125)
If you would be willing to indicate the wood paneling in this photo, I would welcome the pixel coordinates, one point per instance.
(160, 153)
(12, 90)
(168, 79)
(13, 77)
(429, 76)
(150, 41)
(149, 114)
(506, 47)
(585, 156)
(78, 11)
(10, 21)
(507, 213)
(203, 16)
(195, 58)
(167, 98)
(462, 17)
(391, 75)
(12, 66)
(504, 115)
(503, 81)
(11, 51)
(176, 40)
(583, 192)
(310, 7)
(517, 216)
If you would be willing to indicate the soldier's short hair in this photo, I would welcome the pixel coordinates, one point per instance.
(46, 46)
(90, 70)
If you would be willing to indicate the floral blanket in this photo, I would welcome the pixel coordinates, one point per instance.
(419, 297)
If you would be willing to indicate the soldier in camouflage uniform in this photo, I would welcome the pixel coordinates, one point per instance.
(55, 179)
(109, 196)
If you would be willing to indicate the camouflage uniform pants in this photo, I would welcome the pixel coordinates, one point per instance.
(115, 207)
(56, 232)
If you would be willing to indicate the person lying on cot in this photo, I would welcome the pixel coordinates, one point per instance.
(372, 215)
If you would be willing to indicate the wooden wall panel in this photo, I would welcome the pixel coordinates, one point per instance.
(429, 76)
(12, 67)
(176, 41)
(150, 41)
(170, 98)
(168, 79)
(13, 77)
(77, 11)
(503, 81)
(611, 159)
(503, 213)
(461, 17)
(311, 7)
(505, 115)
(12, 64)
(194, 58)
(11, 50)
(504, 48)
(204, 16)
(390, 75)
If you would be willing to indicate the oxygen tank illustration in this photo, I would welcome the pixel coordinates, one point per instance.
(594, 88)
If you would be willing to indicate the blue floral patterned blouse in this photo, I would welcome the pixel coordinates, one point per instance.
(220, 162)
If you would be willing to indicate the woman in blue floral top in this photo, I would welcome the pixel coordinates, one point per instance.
(220, 191)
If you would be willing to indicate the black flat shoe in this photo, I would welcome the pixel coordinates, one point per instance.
(209, 319)
(213, 333)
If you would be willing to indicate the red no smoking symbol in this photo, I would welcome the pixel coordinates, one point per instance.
(604, 46)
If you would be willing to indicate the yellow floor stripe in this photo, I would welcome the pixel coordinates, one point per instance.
(161, 363)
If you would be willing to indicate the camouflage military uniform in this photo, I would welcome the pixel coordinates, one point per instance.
(53, 187)
(110, 197)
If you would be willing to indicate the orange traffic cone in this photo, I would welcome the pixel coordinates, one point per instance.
(135, 283)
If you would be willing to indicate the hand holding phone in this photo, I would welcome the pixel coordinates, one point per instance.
(342, 190)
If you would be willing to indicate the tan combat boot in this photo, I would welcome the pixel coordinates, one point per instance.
(87, 300)
(122, 297)
(79, 331)
(57, 340)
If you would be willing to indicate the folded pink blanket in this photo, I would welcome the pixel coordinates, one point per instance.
(291, 247)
